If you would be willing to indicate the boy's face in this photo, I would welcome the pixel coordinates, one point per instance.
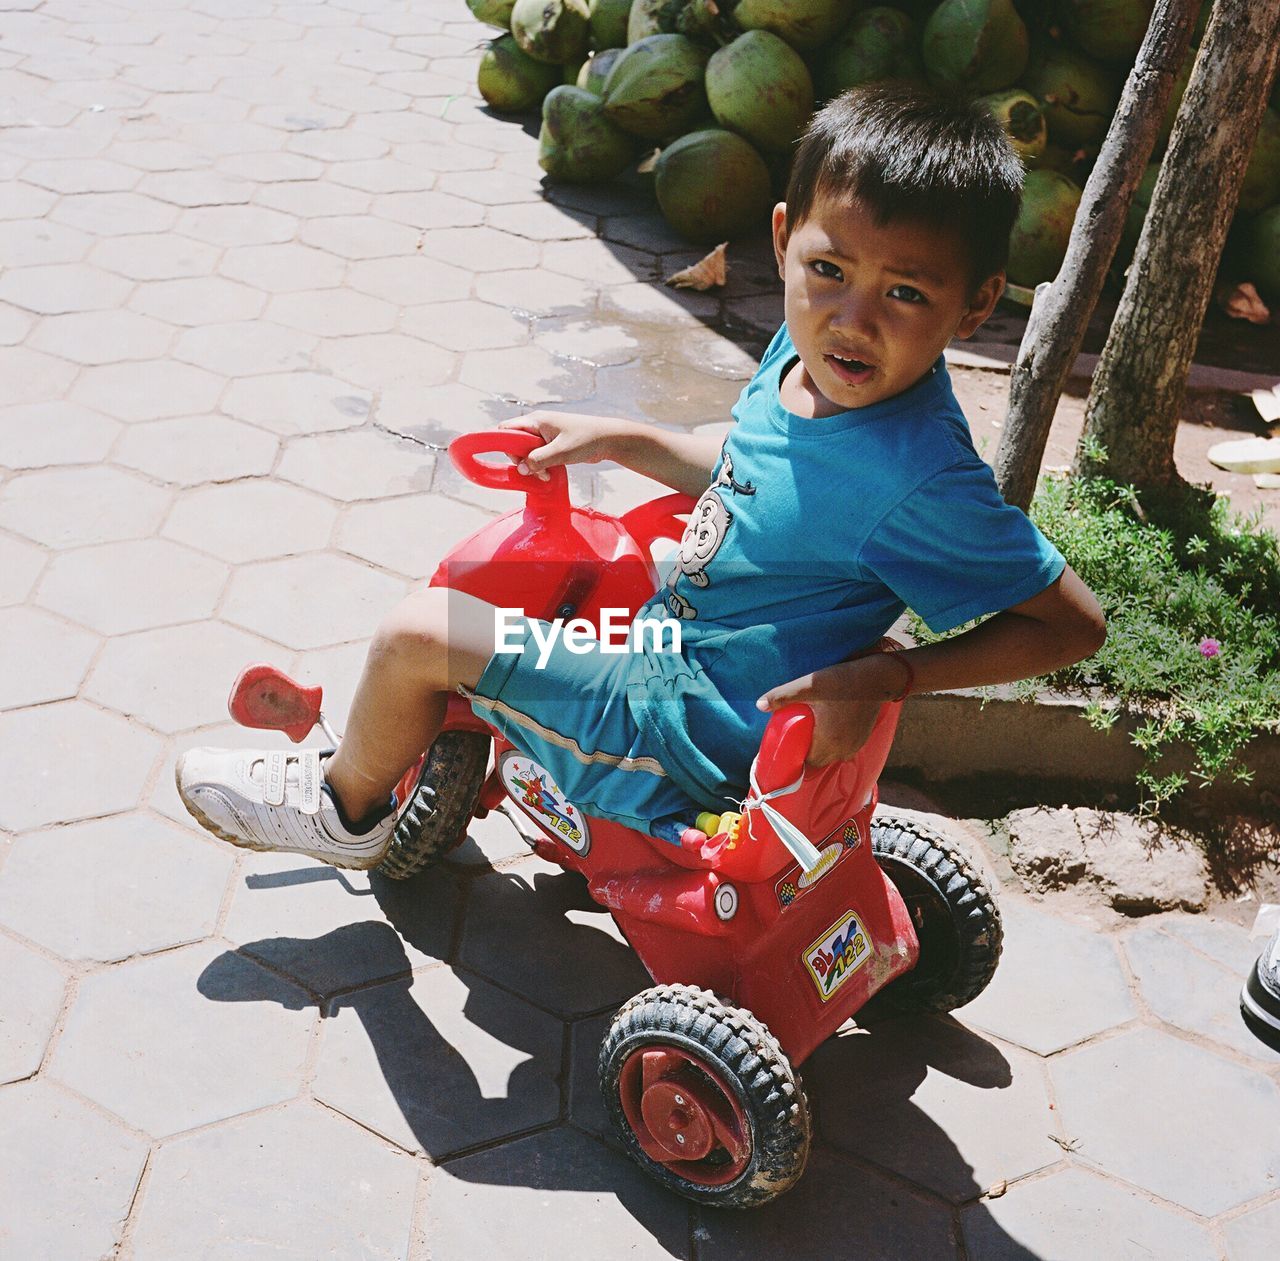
(870, 308)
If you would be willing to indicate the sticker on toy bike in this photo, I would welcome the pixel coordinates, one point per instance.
(837, 954)
(834, 848)
(531, 787)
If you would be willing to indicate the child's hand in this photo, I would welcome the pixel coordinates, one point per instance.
(845, 700)
(568, 438)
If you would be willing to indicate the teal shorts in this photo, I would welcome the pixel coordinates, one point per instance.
(570, 714)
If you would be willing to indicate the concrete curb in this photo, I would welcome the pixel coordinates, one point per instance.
(1045, 745)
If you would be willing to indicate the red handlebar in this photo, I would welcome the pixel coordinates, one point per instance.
(517, 443)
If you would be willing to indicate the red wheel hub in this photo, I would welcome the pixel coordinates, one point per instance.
(684, 1116)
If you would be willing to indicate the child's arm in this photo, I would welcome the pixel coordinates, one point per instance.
(683, 461)
(1061, 625)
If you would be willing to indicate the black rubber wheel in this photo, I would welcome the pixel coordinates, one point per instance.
(435, 819)
(703, 1097)
(955, 916)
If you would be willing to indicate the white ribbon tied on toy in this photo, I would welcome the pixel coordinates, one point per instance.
(802, 849)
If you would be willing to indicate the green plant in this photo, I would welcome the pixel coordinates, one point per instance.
(1191, 592)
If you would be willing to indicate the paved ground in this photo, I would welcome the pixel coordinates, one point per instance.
(255, 255)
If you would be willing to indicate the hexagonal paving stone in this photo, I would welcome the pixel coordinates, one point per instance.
(38, 242)
(540, 221)
(114, 214)
(149, 675)
(1252, 1237)
(81, 175)
(163, 885)
(245, 348)
(1192, 992)
(286, 600)
(426, 210)
(20, 566)
(298, 402)
(948, 1110)
(73, 1171)
(331, 930)
(198, 300)
(196, 188)
(537, 292)
(282, 268)
(494, 841)
(14, 324)
(148, 391)
(1073, 1213)
(293, 1182)
(378, 360)
(33, 377)
(359, 236)
(439, 413)
(600, 261)
(500, 1203)
(102, 336)
(185, 1038)
(1032, 1001)
(484, 249)
(33, 998)
(527, 373)
(409, 535)
(495, 1062)
(332, 312)
(194, 449)
(39, 434)
(465, 325)
(358, 464)
(122, 587)
(582, 963)
(314, 199)
(1158, 1112)
(59, 288)
(26, 201)
(155, 256)
(54, 657)
(236, 225)
(407, 281)
(72, 506)
(589, 340)
(250, 520)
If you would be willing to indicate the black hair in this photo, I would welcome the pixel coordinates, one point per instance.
(908, 152)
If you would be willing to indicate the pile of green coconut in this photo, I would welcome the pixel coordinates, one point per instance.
(709, 96)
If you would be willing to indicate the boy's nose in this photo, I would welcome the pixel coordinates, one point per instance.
(854, 316)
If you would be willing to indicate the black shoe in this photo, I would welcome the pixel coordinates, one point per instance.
(1260, 998)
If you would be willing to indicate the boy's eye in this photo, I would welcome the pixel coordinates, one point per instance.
(907, 293)
(825, 269)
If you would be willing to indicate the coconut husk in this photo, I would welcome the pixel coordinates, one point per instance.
(707, 273)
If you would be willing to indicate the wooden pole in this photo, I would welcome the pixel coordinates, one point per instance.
(1060, 314)
(1140, 381)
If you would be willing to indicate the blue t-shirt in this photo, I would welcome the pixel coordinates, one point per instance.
(813, 537)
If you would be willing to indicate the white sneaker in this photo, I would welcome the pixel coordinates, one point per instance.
(276, 800)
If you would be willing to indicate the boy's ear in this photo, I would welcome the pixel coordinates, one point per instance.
(780, 235)
(981, 305)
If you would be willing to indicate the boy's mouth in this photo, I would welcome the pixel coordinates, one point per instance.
(852, 371)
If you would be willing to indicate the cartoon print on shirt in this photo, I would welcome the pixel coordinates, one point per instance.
(708, 524)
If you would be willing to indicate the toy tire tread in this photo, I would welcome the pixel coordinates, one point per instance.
(967, 948)
(740, 1048)
(436, 817)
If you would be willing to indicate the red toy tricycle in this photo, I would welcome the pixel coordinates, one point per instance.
(757, 956)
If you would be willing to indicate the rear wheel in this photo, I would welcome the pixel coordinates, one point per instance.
(955, 917)
(703, 1097)
(440, 803)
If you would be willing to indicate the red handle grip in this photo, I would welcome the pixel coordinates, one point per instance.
(517, 443)
(658, 519)
(784, 747)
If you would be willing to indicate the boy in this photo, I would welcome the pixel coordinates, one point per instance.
(848, 489)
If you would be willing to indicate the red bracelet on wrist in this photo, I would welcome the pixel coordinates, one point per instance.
(898, 659)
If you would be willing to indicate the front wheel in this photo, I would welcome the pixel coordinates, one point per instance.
(703, 1097)
(440, 803)
(956, 919)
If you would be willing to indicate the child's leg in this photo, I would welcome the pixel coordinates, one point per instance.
(433, 641)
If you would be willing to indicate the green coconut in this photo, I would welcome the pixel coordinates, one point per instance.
(1038, 243)
(880, 43)
(712, 186)
(804, 24)
(981, 45)
(759, 87)
(652, 17)
(1261, 254)
(655, 89)
(1110, 30)
(1078, 95)
(608, 21)
(595, 70)
(1261, 187)
(492, 12)
(578, 144)
(554, 31)
(1019, 113)
(510, 80)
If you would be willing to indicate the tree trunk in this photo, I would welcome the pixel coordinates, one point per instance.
(1060, 315)
(1140, 381)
